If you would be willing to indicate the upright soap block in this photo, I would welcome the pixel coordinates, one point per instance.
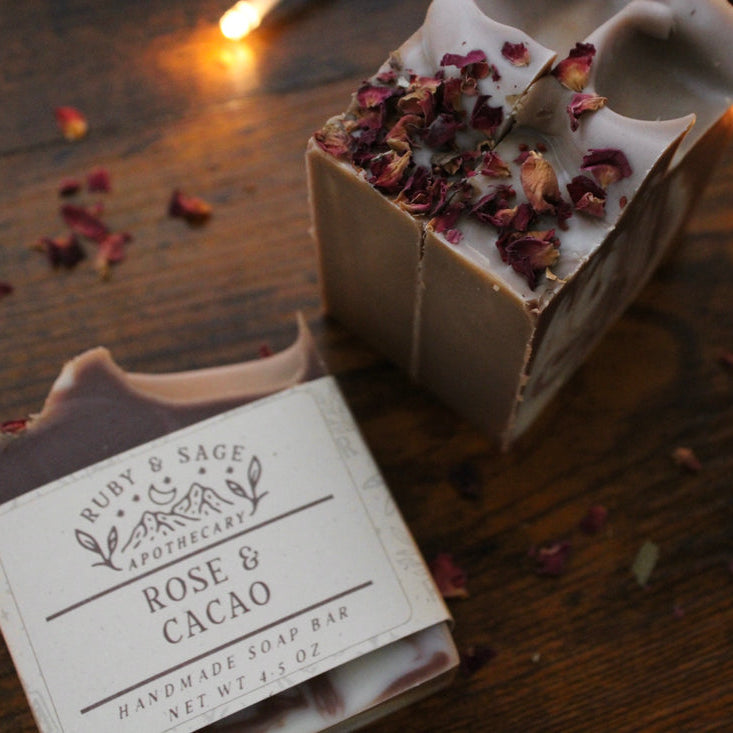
(487, 206)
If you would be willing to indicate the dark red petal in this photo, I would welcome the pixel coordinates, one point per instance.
(5, 289)
(63, 251)
(516, 53)
(606, 165)
(485, 117)
(11, 427)
(572, 72)
(450, 579)
(99, 181)
(69, 186)
(453, 59)
(370, 95)
(587, 196)
(551, 559)
(84, 222)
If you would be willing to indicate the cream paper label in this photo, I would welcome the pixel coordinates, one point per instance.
(191, 577)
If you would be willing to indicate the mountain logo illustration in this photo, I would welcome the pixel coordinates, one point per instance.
(200, 501)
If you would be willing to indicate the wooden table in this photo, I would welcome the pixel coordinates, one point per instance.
(172, 104)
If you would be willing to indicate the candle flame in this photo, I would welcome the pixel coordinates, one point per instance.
(239, 20)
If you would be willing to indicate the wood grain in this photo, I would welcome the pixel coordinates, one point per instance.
(172, 105)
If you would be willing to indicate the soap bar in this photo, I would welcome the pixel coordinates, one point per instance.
(95, 410)
(486, 207)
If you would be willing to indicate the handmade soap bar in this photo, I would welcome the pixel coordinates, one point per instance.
(96, 411)
(485, 208)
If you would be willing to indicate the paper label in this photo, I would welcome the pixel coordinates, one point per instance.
(190, 577)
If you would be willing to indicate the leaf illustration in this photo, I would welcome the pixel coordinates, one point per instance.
(237, 489)
(88, 542)
(112, 540)
(254, 471)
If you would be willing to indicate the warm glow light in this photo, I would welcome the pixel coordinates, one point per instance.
(239, 20)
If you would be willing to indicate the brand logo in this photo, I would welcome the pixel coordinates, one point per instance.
(143, 515)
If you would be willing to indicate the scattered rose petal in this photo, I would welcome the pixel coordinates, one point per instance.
(573, 71)
(582, 103)
(494, 167)
(111, 251)
(594, 520)
(587, 196)
(84, 222)
(539, 183)
(551, 559)
(726, 359)
(334, 139)
(72, 123)
(388, 173)
(99, 181)
(645, 562)
(442, 130)
(264, 351)
(473, 63)
(370, 95)
(686, 458)
(606, 165)
(475, 657)
(11, 427)
(516, 53)
(69, 187)
(529, 254)
(64, 251)
(486, 118)
(622, 202)
(450, 579)
(191, 208)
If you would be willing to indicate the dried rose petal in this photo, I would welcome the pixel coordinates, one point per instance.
(442, 131)
(69, 187)
(726, 359)
(400, 136)
(606, 165)
(485, 117)
(622, 202)
(594, 520)
(450, 579)
(530, 254)
(473, 63)
(389, 170)
(191, 208)
(540, 183)
(419, 98)
(334, 139)
(99, 181)
(72, 123)
(264, 351)
(494, 167)
(587, 196)
(573, 71)
(5, 289)
(11, 427)
(516, 53)
(687, 459)
(63, 251)
(370, 95)
(582, 103)
(475, 657)
(551, 559)
(84, 222)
